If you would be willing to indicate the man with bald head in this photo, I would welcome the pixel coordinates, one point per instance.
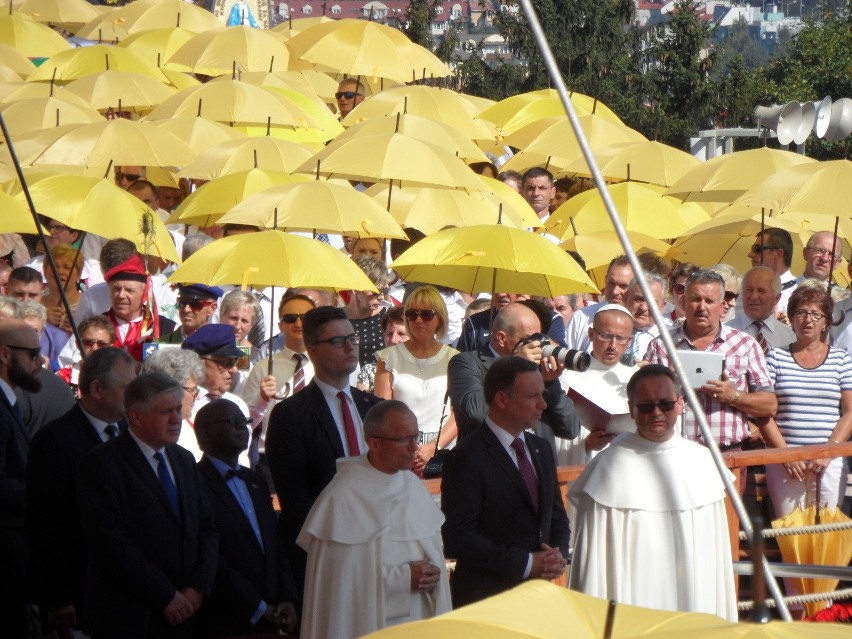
(466, 373)
(20, 367)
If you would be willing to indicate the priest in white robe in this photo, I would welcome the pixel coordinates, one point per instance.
(373, 538)
(651, 523)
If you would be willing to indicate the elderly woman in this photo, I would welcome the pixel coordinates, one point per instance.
(813, 383)
(393, 326)
(732, 281)
(415, 371)
(241, 310)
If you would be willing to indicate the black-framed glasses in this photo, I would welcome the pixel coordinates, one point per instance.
(34, 352)
(233, 420)
(339, 341)
(407, 439)
(225, 363)
(195, 304)
(95, 343)
(57, 227)
(665, 405)
(760, 248)
(292, 318)
(192, 390)
(426, 314)
(679, 289)
(821, 252)
(608, 337)
(731, 297)
(814, 315)
(345, 94)
(130, 177)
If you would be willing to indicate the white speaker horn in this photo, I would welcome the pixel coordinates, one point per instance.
(840, 124)
(806, 123)
(823, 116)
(782, 119)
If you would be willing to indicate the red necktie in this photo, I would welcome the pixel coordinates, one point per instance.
(299, 374)
(760, 337)
(527, 471)
(349, 426)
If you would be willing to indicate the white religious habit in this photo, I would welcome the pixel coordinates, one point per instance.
(651, 528)
(361, 533)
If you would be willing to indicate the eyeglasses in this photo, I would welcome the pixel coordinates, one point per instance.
(608, 337)
(427, 315)
(664, 405)
(679, 289)
(346, 94)
(195, 304)
(234, 420)
(225, 363)
(192, 390)
(56, 227)
(814, 315)
(759, 248)
(130, 177)
(408, 439)
(821, 252)
(34, 352)
(339, 341)
(382, 292)
(95, 343)
(731, 297)
(292, 318)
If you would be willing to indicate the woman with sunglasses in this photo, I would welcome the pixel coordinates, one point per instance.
(677, 287)
(415, 372)
(813, 383)
(732, 281)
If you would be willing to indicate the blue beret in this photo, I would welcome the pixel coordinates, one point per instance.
(200, 291)
(213, 339)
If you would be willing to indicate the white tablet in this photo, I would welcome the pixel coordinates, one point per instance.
(701, 366)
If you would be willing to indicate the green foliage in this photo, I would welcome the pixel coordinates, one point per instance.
(419, 18)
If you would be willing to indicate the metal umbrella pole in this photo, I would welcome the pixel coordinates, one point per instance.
(733, 494)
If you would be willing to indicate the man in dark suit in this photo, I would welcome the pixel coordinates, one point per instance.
(59, 553)
(505, 520)
(153, 546)
(20, 367)
(254, 592)
(466, 373)
(309, 431)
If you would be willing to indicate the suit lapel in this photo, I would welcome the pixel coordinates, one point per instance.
(221, 491)
(136, 460)
(501, 457)
(324, 418)
(20, 428)
(182, 481)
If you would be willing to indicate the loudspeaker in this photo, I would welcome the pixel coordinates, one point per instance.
(840, 123)
(823, 116)
(807, 122)
(783, 119)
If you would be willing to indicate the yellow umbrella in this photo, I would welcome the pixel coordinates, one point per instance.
(42, 113)
(273, 258)
(200, 134)
(9, 75)
(291, 27)
(429, 210)
(217, 51)
(442, 105)
(423, 129)
(78, 63)
(143, 15)
(16, 216)
(318, 207)
(157, 45)
(497, 190)
(15, 60)
(493, 258)
(29, 37)
(35, 90)
(210, 201)
(392, 156)
(98, 206)
(120, 90)
(246, 154)
(180, 80)
(725, 178)
(306, 82)
(116, 141)
(650, 162)
(68, 14)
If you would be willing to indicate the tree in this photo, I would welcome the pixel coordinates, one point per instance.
(418, 21)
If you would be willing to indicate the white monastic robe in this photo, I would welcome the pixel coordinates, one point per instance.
(651, 528)
(360, 535)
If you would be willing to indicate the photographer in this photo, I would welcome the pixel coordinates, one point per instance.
(512, 327)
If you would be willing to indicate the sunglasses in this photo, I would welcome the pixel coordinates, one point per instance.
(664, 405)
(292, 318)
(760, 248)
(95, 343)
(33, 352)
(130, 177)
(345, 94)
(427, 315)
(194, 303)
(679, 289)
(731, 297)
(338, 341)
(225, 363)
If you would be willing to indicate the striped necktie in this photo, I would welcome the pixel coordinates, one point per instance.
(760, 337)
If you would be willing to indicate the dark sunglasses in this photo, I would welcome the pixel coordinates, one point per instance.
(33, 352)
(427, 315)
(760, 248)
(225, 363)
(92, 343)
(345, 94)
(292, 318)
(664, 405)
(132, 177)
(195, 303)
(679, 289)
(731, 297)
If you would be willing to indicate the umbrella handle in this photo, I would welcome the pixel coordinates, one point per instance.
(818, 518)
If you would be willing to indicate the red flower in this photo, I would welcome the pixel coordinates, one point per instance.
(838, 613)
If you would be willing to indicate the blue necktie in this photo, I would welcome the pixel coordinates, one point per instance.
(166, 482)
(16, 408)
(112, 431)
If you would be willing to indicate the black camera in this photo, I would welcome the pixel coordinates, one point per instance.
(572, 360)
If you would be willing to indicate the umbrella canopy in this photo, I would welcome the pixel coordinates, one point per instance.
(306, 82)
(98, 206)
(598, 249)
(121, 90)
(650, 162)
(213, 199)
(199, 133)
(725, 178)
(316, 206)
(42, 113)
(157, 45)
(16, 216)
(78, 63)
(273, 258)
(493, 258)
(245, 154)
(216, 51)
(31, 90)
(15, 60)
(143, 15)
(31, 38)
(68, 14)
(293, 26)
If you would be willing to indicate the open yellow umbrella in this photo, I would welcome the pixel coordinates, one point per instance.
(273, 258)
(142, 15)
(491, 258)
(200, 134)
(31, 38)
(16, 216)
(78, 63)
(120, 90)
(306, 82)
(9, 75)
(98, 206)
(294, 26)
(157, 45)
(212, 200)
(32, 90)
(650, 162)
(245, 154)
(598, 249)
(315, 206)
(217, 51)
(15, 60)
(42, 113)
(68, 14)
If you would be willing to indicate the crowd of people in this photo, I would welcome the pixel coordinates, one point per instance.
(139, 462)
